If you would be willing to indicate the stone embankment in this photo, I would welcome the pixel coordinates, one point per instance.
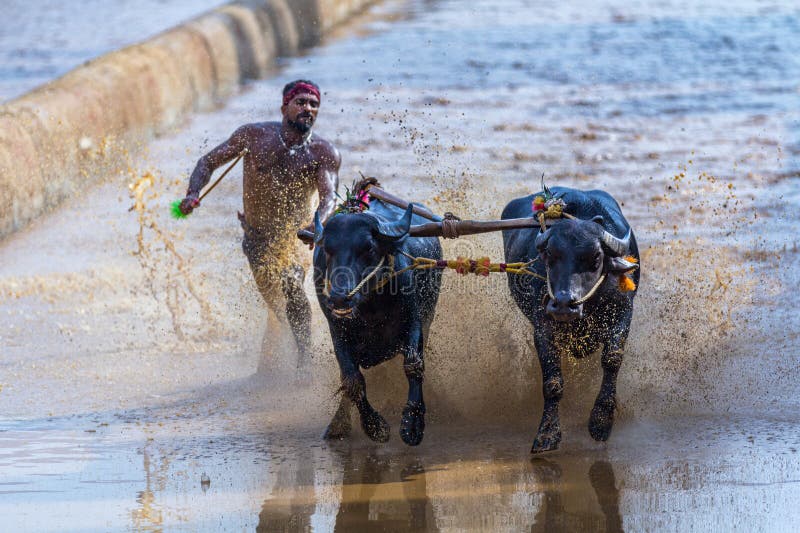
(64, 135)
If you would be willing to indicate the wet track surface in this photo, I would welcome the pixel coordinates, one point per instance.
(129, 368)
(42, 39)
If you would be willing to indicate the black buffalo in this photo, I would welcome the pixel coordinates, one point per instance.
(389, 313)
(584, 307)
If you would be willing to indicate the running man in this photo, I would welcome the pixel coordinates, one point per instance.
(284, 165)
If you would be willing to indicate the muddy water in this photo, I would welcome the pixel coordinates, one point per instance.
(130, 343)
(43, 39)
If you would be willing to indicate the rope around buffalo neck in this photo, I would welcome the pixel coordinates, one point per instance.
(585, 298)
(367, 278)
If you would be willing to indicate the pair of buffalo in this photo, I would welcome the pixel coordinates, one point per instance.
(573, 295)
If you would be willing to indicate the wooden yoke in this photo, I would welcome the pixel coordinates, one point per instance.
(448, 227)
(452, 229)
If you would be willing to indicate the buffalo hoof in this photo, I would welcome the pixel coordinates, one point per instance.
(412, 425)
(548, 437)
(601, 420)
(375, 427)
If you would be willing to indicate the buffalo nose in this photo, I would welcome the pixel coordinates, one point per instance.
(562, 309)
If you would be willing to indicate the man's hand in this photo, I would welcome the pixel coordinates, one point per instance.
(189, 203)
(306, 235)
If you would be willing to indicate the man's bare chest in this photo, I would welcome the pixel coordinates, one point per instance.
(280, 167)
(279, 180)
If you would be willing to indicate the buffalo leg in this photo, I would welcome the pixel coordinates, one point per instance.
(373, 424)
(549, 435)
(412, 425)
(354, 386)
(340, 425)
(602, 418)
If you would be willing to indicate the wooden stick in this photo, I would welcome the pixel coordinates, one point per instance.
(208, 190)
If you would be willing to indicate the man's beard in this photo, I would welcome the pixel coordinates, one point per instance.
(302, 127)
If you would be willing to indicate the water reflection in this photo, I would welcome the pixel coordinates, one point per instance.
(375, 493)
(147, 515)
(379, 493)
(380, 490)
(293, 499)
(601, 475)
(567, 502)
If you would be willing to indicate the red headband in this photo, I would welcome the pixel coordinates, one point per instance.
(301, 88)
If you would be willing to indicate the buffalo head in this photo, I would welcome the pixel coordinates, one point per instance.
(577, 255)
(356, 247)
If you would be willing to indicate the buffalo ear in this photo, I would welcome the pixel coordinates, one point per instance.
(598, 219)
(620, 265)
(318, 229)
(396, 230)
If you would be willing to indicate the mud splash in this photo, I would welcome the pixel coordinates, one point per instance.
(167, 275)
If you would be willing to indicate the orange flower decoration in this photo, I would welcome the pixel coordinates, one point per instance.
(626, 284)
(482, 267)
(462, 265)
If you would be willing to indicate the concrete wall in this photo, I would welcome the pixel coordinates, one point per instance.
(63, 136)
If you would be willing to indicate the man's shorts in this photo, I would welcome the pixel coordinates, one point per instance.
(275, 259)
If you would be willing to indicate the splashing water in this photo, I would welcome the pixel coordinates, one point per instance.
(167, 276)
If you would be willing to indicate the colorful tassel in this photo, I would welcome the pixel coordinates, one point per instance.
(175, 209)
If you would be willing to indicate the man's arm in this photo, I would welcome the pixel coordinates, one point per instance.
(209, 163)
(327, 183)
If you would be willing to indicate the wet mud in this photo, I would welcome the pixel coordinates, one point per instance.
(138, 391)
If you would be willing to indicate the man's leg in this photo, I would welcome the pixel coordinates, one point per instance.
(277, 340)
(298, 310)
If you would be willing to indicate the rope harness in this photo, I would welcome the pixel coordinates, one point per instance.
(585, 298)
(371, 275)
(480, 267)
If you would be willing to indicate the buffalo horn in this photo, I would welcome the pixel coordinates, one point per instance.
(617, 246)
(317, 229)
(541, 238)
(398, 229)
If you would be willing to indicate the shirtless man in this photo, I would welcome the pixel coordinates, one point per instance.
(283, 166)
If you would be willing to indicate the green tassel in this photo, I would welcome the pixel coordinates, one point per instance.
(175, 209)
